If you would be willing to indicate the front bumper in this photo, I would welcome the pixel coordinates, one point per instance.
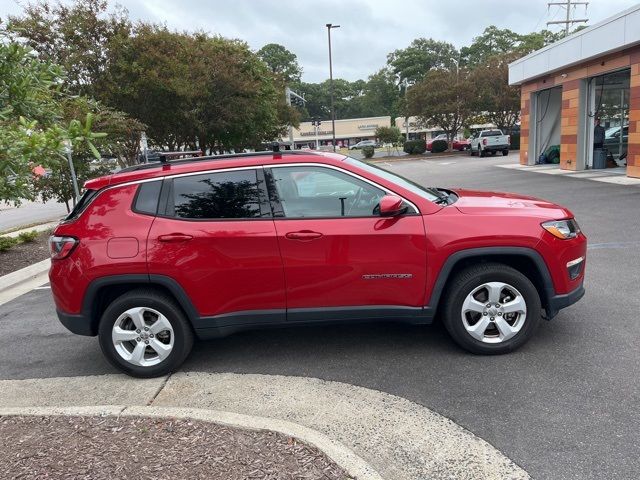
(78, 324)
(558, 302)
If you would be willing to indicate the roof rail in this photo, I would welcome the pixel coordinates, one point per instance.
(181, 161)
(165, 156)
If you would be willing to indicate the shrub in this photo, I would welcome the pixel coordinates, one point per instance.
(439, 146)
(415, 146)
(7, 242)
(27, 237)
(368, 151)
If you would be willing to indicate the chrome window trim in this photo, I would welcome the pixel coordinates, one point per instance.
(255, 167)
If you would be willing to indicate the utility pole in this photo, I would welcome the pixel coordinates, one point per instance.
(567, 4)
(316, 124)
(406, 109)
(288, 95)
(69, 147)
(333, 112)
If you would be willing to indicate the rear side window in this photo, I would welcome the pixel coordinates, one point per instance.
(84, 201)
(147, 197)
(491, 133)
(213, 196)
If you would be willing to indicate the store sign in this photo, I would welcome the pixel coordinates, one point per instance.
(369, 126)
(320, 132)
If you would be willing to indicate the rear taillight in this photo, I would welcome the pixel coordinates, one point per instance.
(484, 141)
(61, 247)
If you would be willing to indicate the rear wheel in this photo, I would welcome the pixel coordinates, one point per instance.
(145, 334)
(491, 309)
(505, 153)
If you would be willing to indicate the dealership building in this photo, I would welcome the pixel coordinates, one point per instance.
(580, 97)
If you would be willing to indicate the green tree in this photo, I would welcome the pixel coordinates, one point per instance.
(495, 99)
(281, 62)
(381, 95)
(388, 134)
(421, 56)
(443, 100)
(196, 90)
(33, 129)
(493, 41)
(76, 36)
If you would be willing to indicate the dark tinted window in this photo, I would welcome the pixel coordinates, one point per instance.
(85, 200)
(147, 199)
(217, 195)
(491, 133)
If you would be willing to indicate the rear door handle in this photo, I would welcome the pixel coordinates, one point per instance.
(175, 237)
(303, 235)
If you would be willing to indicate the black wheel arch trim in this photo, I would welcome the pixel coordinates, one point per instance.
(86, 323)
(489, 253)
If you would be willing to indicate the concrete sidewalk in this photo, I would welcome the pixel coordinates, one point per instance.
(401, 440)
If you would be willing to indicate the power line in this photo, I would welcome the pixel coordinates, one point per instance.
(567, 4)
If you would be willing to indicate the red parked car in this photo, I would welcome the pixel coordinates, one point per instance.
(158, 254)
(457, 144)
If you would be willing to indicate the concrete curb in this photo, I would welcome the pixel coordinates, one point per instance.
(340, 454)
(38, 228)
(24, 280)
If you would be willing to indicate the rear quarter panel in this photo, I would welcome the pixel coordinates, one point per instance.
(112, 242)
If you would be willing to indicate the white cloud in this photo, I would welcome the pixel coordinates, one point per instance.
(369, 29)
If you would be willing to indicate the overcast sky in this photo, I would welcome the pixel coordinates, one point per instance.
(369, 29)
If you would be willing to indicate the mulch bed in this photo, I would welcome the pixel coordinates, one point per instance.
(24, 254)
(147, 448)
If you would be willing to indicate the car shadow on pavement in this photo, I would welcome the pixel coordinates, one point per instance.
(329, 351)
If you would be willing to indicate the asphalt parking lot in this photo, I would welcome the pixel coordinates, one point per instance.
(565, 406)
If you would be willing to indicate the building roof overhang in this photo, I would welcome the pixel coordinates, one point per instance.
(611, 35)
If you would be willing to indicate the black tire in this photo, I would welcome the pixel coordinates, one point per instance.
(149, 298)
(481, 152)
(505, 153)
(470, 279)
(471, 152)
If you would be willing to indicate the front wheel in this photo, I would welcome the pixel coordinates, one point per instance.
(481, 152)
(491, 309)
(145, 334)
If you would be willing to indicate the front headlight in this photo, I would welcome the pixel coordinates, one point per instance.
(563, 229)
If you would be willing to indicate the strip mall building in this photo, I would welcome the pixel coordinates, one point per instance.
(352, 130)
(567, 86)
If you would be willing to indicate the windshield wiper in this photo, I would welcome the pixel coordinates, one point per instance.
(441, 197)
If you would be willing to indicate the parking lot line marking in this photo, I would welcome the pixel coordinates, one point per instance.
(48, 287)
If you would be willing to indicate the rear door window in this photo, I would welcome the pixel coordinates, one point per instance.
(214, 196)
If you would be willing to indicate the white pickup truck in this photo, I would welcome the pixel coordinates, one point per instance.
(490, 141)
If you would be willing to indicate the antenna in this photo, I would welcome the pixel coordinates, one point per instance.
(567, 4)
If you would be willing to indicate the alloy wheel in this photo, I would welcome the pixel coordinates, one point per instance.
(143, 336)
(494, 312)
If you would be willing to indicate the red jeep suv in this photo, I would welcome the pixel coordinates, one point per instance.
(158, 254)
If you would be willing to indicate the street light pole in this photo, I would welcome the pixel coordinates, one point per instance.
(406, 109)
(333, 113)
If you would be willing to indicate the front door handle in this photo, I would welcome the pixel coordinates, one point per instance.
(175, 237)
(303, 235)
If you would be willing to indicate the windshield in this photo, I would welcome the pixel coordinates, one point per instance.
(430, 194)
(613, 131)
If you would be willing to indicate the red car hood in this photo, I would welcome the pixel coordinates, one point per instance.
(473, 202)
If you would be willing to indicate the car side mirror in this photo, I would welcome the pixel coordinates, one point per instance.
(392, 206)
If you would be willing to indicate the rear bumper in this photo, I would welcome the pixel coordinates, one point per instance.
(497, 148)
(558, 302)
(77, 323)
